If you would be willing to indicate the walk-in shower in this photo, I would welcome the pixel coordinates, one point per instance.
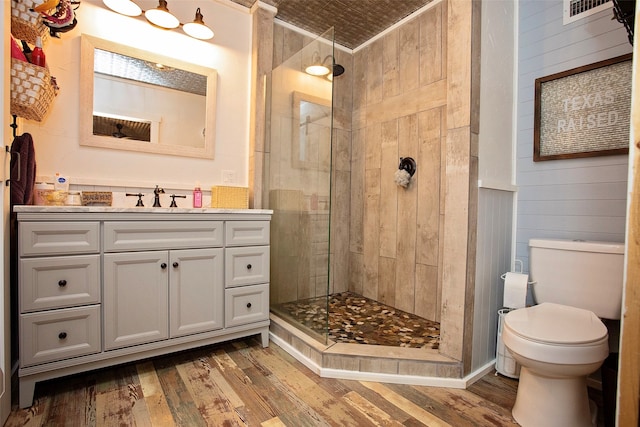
(307, 186)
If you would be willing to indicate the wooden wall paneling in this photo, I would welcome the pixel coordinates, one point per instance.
(628, 407)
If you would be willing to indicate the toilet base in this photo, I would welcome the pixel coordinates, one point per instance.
(551, 402)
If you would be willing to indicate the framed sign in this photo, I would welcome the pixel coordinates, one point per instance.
(583, 112)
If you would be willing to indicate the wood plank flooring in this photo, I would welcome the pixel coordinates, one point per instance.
(241, 384)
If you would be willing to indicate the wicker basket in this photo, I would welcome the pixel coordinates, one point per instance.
(97, 198)
(31, 90)
(229, 197)
(25, 24)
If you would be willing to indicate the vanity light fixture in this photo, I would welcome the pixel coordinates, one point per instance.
(197, 29)
(123, 7)
(161, 17)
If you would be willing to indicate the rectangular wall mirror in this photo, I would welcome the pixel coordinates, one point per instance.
(135, 100)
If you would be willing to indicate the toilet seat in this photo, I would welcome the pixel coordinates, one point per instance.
(555, 333)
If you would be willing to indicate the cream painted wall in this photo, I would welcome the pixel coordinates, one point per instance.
(229, 52)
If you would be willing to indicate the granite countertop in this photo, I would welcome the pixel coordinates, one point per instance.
(114, 209)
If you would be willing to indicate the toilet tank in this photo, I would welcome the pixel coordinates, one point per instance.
(583, 274)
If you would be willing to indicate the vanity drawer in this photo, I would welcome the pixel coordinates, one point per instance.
(59, 334)
(122, 236)
(55, 282)
(246, 304)
(246, 265)
(58, 238)
(246, 233)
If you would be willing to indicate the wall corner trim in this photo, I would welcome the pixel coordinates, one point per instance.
(496, 185)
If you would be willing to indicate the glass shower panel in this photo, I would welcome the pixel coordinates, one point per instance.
(297, 186)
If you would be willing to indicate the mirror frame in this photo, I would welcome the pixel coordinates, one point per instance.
(87, 138)
(299, 97)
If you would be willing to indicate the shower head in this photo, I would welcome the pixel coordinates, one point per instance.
(337, 70)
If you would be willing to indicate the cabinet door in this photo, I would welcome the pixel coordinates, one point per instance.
(196, 290)
(136, 307)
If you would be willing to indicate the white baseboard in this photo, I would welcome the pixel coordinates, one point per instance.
(461, 383)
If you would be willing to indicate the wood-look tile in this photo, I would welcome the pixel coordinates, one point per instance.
(387, 280)
(428, 159)
(390, 65)
(409, 58)
(241, 383)
(389, 159)
(431, 58)
(406, 405)
(374, 72)
(407, 228)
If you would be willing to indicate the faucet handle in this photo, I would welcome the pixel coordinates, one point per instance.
(173, 200)
(139, 196)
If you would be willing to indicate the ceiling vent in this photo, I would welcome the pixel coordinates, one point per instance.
(578, 9)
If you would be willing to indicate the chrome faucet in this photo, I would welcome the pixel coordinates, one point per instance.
(157, 192)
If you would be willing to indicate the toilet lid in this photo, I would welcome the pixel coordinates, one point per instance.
(555, 323)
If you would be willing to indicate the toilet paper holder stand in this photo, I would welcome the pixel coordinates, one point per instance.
(517, 262)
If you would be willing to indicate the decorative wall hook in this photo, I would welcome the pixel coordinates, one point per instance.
(405, 171)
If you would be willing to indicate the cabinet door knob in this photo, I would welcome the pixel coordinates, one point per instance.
(248, 266)
(62, 335)
(163, 265)
(62, 283)
(175, 265)
(248, 305)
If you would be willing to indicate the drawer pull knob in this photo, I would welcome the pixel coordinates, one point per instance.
(163, 265)
(248, 305)
(62, 335)
(248, 266)
(62, 283)
(175, 265)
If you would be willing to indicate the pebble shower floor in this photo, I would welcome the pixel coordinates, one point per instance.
(356, 319)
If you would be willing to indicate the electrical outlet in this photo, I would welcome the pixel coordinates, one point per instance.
(228, 177)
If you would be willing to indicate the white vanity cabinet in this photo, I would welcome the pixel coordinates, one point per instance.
(101, 286)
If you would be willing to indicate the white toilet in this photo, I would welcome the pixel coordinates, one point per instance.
(562, 340)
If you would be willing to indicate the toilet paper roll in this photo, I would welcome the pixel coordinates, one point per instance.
(515, 290)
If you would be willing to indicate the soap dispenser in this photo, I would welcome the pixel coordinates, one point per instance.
(197, 196)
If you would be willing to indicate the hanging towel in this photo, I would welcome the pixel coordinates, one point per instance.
(23, 174)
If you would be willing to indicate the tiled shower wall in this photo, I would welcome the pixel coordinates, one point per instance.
(386, 241)
(399, 93)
